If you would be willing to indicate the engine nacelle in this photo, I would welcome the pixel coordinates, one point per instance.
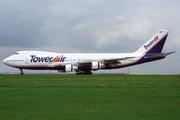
(97, 65)
(70, 68)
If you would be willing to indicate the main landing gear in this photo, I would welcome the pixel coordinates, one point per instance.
(22, 73)
(83, 73)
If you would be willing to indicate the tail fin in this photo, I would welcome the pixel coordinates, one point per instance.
(155, 44)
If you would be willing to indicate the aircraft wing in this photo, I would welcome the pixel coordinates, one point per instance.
(105, 60)
(84, 63)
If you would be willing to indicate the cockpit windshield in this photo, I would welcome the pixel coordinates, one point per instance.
(16, 53)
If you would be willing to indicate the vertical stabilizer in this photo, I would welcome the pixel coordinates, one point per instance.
(155, 44)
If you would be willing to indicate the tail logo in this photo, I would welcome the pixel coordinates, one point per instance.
(151, 42)
(155, 38)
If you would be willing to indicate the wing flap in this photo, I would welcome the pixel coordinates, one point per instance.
(114, 59)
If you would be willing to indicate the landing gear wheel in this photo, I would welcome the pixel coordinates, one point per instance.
(88, 73)
(84, 73)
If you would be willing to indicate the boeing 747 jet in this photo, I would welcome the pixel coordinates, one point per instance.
(84, 63)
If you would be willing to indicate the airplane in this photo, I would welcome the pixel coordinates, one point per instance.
(84, 63)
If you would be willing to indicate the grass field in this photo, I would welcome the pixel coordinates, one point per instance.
(88, 97)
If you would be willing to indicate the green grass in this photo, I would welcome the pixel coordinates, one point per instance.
(80, 97)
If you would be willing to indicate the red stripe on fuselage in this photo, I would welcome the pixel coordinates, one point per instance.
(29, 66)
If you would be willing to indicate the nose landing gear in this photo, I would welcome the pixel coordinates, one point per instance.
(22, 73)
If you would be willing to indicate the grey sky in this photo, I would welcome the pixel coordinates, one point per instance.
(90, 26)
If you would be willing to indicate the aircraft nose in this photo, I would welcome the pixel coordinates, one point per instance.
(7, 62)
(4, 61)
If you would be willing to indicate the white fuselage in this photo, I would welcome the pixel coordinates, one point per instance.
(46, 60)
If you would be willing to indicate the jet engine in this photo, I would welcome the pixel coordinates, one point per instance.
(97, 65)
(70, 68)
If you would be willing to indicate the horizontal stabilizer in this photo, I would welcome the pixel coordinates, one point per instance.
(159, 55)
